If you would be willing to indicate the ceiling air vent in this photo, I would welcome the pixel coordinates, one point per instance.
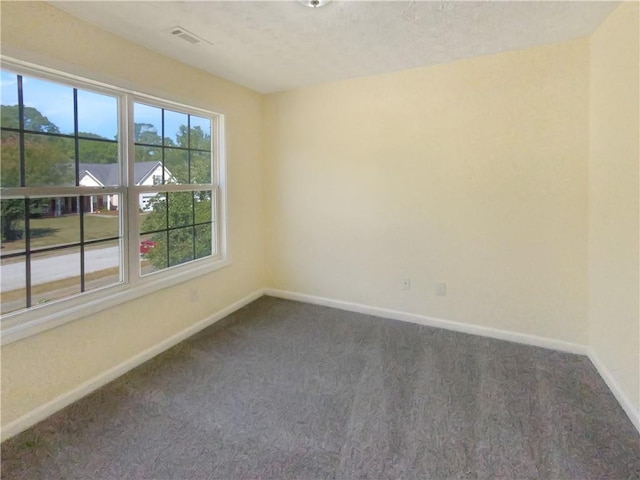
(186, 35)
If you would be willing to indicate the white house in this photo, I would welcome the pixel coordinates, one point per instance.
(105, 174)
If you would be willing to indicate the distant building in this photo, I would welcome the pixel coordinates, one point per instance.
(102, 175)
(106, 174)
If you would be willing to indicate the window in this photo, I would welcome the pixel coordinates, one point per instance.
(177, 222)
(91, 204)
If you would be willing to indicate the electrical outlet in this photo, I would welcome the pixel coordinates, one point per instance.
(405, 284)
(194, 294)
(441, 289)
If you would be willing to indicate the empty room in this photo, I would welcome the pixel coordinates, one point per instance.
(320, 239)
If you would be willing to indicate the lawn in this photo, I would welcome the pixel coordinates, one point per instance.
(66, 229)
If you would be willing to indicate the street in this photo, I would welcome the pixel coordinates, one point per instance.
(57, 267)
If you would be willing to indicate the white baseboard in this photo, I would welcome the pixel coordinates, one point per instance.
(43, 411)
(524, 338)
(631, 410)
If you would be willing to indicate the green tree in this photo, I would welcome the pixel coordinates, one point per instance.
(33, 119)
(176, 160)
(199, 139)
(193, 166)
(10, 212)
(148, 134)
(185, 242)
(46, 162)
(97, 151)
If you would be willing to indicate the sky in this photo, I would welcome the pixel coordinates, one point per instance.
(97, 113)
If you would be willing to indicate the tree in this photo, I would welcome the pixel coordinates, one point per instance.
(33, 119)
(185, 167)
(10, 212)
(146, 133)
(199, 138)
(97, 151)
(185, 208)
(200, 162)
(187, 242)
(193, 166)
(46, 162)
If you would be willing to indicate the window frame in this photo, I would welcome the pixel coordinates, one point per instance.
(37, 318)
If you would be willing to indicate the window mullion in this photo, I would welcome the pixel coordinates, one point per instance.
(23, 182)
(80, 199)
(130, 220)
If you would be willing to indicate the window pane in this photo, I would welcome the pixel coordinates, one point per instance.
(12, 226)
(49, 160)
(203, 206)
(203, 240)
(48, 106)
(97, 115)
(180, 209)
(9, 99)
(102, 264)
(153, 216)
(148, 154)
(148, 166)
(153, 252)
(54, 221)
(12, 284)
(148, 124)
(176, 231)
(98, 163)
(200, 131)
(101, 216)
(12, 270)
(10, 160)
(176, 163)
(180, 246)
(175, 128)
(200, 167)
(55, 275)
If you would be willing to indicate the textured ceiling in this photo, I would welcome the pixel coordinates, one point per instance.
(270, 46)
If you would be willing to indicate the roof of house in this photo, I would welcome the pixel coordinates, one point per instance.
(107, 173)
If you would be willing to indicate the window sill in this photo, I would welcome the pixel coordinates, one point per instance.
(46, 317)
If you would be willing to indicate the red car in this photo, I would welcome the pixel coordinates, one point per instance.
(146, 245)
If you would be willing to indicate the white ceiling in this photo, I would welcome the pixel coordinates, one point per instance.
(271, 46)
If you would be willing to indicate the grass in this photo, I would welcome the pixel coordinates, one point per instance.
(50, 287)
(66, 229)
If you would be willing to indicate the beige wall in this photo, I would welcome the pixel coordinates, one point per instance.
(614, 323)
(42, 367)
(472, 173)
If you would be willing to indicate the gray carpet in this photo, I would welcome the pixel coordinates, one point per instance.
(283, 389)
